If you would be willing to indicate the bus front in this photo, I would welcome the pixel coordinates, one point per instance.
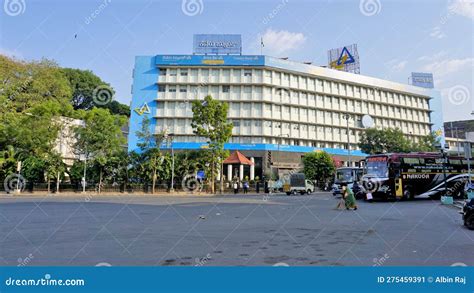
(376, 178)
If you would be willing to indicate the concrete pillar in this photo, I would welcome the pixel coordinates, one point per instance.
(229, 172)
(241, 172)
(252, 168)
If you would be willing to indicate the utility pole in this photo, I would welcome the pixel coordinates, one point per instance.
(347, 117)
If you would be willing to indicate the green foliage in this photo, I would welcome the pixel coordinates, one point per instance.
(426, 143)
(374, 141)
(101, 138)
(392, 140)
(83, 83)
(210, 121)
(318, 166)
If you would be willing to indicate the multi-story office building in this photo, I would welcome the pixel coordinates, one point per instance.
(280, 109)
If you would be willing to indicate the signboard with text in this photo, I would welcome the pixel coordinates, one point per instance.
(422, 79)
(217, 44)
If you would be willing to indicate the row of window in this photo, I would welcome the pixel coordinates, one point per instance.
(286, 79)
(243, 109)
(281, 95)
(257, 127)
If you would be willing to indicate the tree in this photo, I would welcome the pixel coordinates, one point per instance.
(210, 121)
(150, 143)
(318, 166)
(83, 84)
(100, 138)
(374, 141)
(426, 143)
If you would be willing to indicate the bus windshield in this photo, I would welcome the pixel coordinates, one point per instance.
(377, 168)
(344, 176)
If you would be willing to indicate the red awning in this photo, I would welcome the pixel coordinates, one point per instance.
(237, 158)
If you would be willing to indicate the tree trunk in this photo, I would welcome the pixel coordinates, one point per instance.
(221, 184)
(100, 179)
(49, 185)
(153, 181)
(57, 183)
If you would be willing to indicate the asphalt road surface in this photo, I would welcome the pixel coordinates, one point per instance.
(229, 230)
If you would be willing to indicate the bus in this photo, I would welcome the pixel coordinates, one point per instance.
(407, 175)
(346, 176)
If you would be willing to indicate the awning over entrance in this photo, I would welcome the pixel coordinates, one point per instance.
(237, 158)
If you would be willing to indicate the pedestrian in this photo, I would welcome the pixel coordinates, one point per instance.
(236, 187)
(349, 199)
(246, 187)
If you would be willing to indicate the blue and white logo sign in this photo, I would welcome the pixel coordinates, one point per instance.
(422, 79)
(217, 44)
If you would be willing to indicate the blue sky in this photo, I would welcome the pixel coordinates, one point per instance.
(394, 37)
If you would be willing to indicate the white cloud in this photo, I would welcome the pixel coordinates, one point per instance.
(280, 42)
(433, 57)
(462, 7)
(396, 65)
(446, 67)
(437, 33)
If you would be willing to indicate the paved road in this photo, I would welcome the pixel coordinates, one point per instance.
(229, 230)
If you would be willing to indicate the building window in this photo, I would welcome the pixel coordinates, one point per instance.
(247, 72)
(161, 88)
(183, 90)
(173, 72)
(162, 71)
(183, 73)
(236, 123)
(172, 89)
(226, 88)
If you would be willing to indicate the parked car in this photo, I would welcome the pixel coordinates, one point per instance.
(468, 214)
(298, 184)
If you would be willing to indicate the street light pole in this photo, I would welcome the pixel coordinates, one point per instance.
(171, 135)
(347, 117)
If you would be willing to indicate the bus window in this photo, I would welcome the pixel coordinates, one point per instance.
(411, 161)
(377, 168)
(455, 162)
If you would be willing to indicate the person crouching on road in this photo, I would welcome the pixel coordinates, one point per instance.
(349, 198)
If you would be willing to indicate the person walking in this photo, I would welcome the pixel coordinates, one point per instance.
(246, 187)
(349, 198)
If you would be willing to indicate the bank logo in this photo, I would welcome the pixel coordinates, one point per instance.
(344, 58)
(144, 109)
